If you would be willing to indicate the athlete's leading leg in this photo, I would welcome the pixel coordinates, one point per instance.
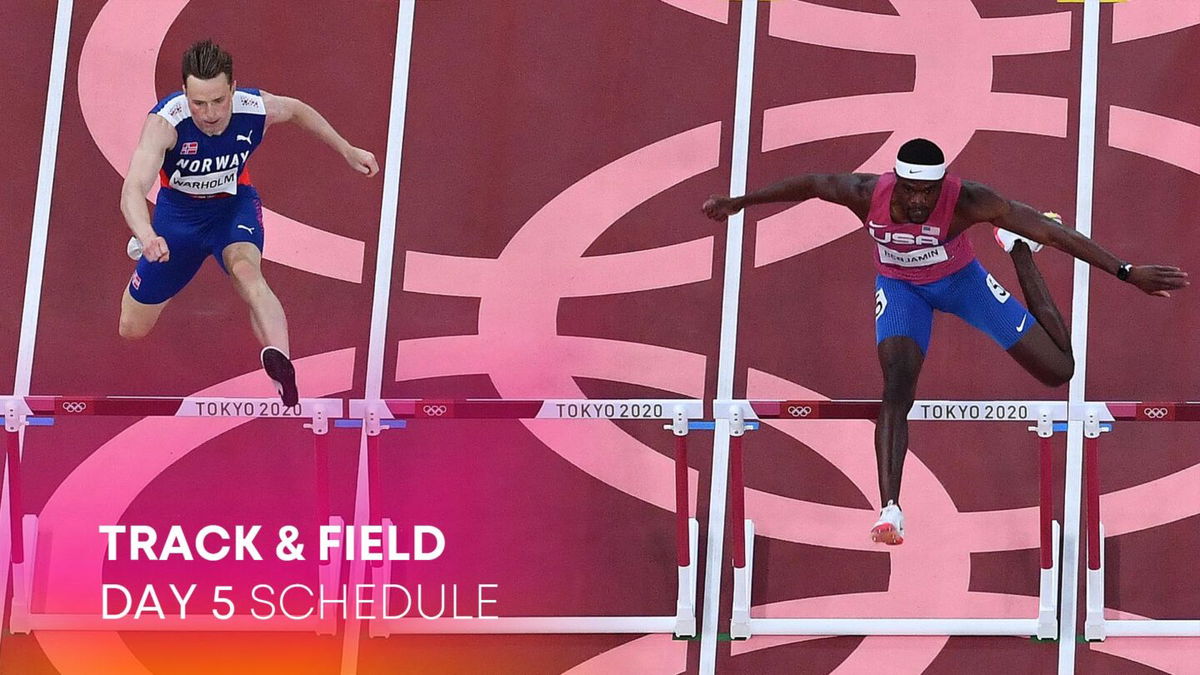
(267, 318)
(243, 261)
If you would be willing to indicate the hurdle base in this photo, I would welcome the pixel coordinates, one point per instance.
(509, 625)
(740, 625)
(1047, 625)
(682, 624)
(685, 606)
(239, 623)
(1152, 628)
(930, 626)
(23, 620)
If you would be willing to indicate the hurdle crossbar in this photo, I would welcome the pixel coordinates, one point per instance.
(966, 411)
(1045, 413)
(679, 412)
(19, 410)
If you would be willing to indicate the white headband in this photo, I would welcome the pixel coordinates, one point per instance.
(920, 171)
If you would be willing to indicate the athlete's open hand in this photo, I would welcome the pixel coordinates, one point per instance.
(1158, 279)
(719, 207)
(155, 249)
(362, 161)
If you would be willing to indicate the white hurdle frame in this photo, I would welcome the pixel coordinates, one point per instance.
(25, 527)
(742, 625)
(375, 416)
(1096, 627)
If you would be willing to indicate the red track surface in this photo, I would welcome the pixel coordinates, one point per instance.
(514, 105)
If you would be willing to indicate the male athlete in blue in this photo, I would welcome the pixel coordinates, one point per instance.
(196, 143)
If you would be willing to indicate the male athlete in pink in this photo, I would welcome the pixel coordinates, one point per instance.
(917, 215)
(196, 142)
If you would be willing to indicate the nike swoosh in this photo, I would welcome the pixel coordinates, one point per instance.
(1022, 326)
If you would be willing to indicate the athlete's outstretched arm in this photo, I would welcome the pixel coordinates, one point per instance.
(978, 203)
(157, 137)
(287, 109)
(852, 190)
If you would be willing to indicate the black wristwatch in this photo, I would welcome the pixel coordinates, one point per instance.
(1123, 271)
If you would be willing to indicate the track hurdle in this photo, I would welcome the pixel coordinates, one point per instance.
(742, 625)
(1096, 627)
(389, 413)
(43, 410)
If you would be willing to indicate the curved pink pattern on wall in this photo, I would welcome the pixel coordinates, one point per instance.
(520, 293)
(117, 59)
(1134, 20)
(71, 572)
(1162, 138)
(952, 94)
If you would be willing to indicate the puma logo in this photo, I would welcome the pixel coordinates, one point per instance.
(246, 137)
(251, 231)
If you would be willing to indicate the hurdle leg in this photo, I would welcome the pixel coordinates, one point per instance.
(743, 530)
(1093, 627)
(22, 532)
(320, 429)
(380, 576)
(20, 619)
(1047, 625)
(687, 533)
(373, 482)
(12, 455)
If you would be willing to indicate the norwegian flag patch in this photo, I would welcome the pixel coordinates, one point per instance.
(189, 148)
(135, 281)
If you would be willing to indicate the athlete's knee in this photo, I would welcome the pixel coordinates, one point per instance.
(1060, 372)
(133, 330)
(899, 388)
(245, 273)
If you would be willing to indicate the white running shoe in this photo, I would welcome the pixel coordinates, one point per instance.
(1008, 239)
(889, 529)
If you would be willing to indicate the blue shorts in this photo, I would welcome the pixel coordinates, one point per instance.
(904, 308)
(195, 229)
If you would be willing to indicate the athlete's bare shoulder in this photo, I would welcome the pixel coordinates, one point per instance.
(157, 134)
(979, 203)
(856, 189)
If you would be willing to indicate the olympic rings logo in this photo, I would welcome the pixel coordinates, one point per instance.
(1155, 413)
(435, 410)
(74, 406)
(799, 411)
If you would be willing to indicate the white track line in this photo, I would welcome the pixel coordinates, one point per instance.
(714, 564)
(351, 639)
(37, 248)
(1069, 606)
